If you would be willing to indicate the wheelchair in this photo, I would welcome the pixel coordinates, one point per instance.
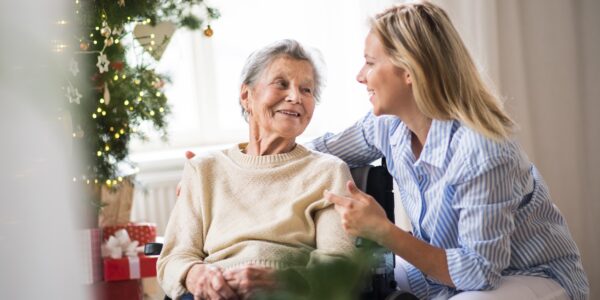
(377, 182)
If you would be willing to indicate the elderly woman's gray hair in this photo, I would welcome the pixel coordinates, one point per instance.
(260, 60)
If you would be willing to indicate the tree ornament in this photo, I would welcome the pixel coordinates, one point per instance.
(102, 63)
(208, 32)
(122, 3)
(73, 94)
(105, 31)
(73, 67)
(117, 31)
(106, 94)
(84, 46)
(117, 65)
(109, 41)
(154, 39)
(158, 84)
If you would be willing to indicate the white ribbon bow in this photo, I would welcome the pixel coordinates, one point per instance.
(119, 244)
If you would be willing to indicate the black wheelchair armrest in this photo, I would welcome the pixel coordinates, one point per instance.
(152, 248)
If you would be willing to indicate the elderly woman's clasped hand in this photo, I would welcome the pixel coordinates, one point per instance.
(206, 281)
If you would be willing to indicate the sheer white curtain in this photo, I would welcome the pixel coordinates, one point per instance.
(543, 57)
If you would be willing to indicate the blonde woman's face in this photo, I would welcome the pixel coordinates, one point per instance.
(281, 103)
(389, 87)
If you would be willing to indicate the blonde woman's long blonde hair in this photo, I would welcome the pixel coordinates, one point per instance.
(420, 38)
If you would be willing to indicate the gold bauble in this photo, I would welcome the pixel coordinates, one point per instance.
(84, 46)
(208, 31)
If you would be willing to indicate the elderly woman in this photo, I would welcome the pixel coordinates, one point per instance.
(257, 207)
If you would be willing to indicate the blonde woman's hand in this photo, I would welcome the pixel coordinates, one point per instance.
(361, 215)
(205, 281)
(249, 279)
(188, 155)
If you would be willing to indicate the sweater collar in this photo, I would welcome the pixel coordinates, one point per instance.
(265, 160)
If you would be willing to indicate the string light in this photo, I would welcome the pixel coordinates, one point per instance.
(111, 129)
(126, 102)
(106, 148)
(161, 109)
(152, 113)
(96, 181)
(117, 136)
(94, 115)
(95, 42)
(99, 153)
(74, 179)
(120, 179)
(103, 113)
(99, 109)
(122, 131)
(102, 100)
(158, 94)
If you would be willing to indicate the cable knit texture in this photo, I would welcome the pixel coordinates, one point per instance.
(236, 209)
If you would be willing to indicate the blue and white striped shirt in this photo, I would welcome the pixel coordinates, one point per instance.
(481, 200)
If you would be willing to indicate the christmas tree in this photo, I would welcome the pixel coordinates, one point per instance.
(107, 98)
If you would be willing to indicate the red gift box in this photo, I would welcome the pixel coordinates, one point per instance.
(118, 290)
(130, 267)
(142, 232)
(92, 261)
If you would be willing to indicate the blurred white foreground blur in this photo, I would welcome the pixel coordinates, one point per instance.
(39, 255)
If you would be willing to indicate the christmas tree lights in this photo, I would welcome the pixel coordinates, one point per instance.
(107, 97)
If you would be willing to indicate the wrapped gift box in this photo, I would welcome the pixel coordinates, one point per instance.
(130, 267)
(92, 261)
(142, 232)
(118, 290)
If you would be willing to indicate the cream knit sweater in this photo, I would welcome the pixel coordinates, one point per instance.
(235, 209)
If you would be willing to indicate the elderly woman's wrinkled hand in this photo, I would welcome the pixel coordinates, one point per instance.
(205, 281)
(249, 279)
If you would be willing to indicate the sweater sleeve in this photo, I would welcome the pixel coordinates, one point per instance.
(183, 236)
(331, 239)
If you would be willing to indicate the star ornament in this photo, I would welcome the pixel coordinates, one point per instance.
(102, 63)
(74, 67)
(73, 95)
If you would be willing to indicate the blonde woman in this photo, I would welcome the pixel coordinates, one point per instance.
(482, 219)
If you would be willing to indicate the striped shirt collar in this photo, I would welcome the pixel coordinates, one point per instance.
(436, 145)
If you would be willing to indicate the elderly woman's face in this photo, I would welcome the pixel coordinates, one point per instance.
(282, 101)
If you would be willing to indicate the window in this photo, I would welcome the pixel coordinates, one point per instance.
(205, 71)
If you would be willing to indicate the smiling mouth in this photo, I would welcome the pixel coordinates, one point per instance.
(289, 113)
